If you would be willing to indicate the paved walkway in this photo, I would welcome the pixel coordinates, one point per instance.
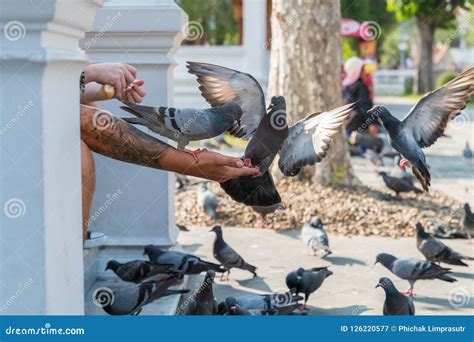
(350, 290)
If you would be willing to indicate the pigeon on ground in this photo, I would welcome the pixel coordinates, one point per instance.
(413, 270)
(230, 308)
(314, 236)
(399, 184)
(137, 271)
(426, 122)
(306, 281)
(467, 152)
(467, 220)
(185, 125)
(202, 302)
(227, 256)
(436, 251)
(396, 304)
(182, 263)
(270, 304)
(128, 299)
(207, 200)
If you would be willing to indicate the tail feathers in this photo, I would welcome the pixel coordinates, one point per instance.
(447, 278)
(214, 267)
(423, 175)
(457, 261)
(174, 292)
(131, 111)
(417, 191)
(250, 268)
(135, 121)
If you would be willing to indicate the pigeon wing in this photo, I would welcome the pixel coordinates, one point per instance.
(220, 85)
(310, 138)
(429, 117)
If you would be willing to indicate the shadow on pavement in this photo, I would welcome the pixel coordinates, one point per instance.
(344, 311)
(445, 302)
(341, 261)
(257, 283)
(463, 275)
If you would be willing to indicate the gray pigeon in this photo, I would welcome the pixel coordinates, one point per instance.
(306, 281)
(271, 304)
(207, 200)
(467, 220)
(230, 308)
(314, 236)
(262, 213)
(128, 299)
(137, 271)
(467, 152)
(399, 184)
(436, 251)
(185, 125)
(413, 270)
(426, 122)
(227, 256)
(182, 263)
(202, 302)
(396, 304)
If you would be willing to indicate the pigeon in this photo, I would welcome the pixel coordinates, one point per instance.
(413, 270)
(314, 236)
(230, 308)
(306, 281)
(181, 181)
(396, 304)
(227, 256)
(436, 251)
(270, 304)
(182, 263)
(467, 152)
(467, 220)
(399, 184)
(262, 213)
(207, 200)
(202, 302)
(426, 122)
(128, 299)
(137, 271)
(185, 125)
(182, 228)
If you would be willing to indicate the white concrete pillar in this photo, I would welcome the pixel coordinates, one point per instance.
(254, 23)
(40, 189)
(145, 34)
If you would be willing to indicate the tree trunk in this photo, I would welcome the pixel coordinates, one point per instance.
(305, 65)
(424, 75)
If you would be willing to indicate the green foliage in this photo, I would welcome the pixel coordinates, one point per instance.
(349, 48)
(445, 77)
(408, 86)
(390, 55)
(338, 176)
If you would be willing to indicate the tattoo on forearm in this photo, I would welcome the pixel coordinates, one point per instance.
(115, 138)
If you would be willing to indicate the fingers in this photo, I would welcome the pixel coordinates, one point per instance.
(129, 77)
(234, 172)
(132, 70)
(229, 161)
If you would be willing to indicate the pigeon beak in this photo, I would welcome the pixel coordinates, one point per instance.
(270, 106)
(293, 290)
(378, 285)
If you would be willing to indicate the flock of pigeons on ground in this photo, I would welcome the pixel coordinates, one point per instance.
(238, 107)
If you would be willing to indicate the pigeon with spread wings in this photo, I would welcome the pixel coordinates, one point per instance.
(426, 122)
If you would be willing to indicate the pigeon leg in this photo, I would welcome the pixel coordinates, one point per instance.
(403, 164)
(195, 153)
(248, 162)
(312, 253)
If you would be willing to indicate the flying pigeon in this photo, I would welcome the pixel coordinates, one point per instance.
(314, 236)
(413, 270)
(396, 304)
(137, 271)
(227, 256)
(202, 302)
(207, 200)
(182, 263)
(426, 122)
(230, 308)
(185, 125)
(467, 220)
(467, 152)
(128, 299)
(306, 281)
(436, 251)
(399, 184)
(270, 304)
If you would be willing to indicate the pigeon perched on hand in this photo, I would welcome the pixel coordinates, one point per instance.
(396, 304)
(314, 236)
(185, 125)
(413, 270)
(436, 251)
(202, 302)
(207, 200)
(227, 256)
(270, 304)
(467, 220)
(426, 122)
(128, 299)
(137, 271)
(467, 152)
(399, 184)
(306, 281)
(182, 263)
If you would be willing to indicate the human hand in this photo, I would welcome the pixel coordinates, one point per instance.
(119, 75)
(134, 92)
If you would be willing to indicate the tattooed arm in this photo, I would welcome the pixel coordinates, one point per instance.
(115, 138)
